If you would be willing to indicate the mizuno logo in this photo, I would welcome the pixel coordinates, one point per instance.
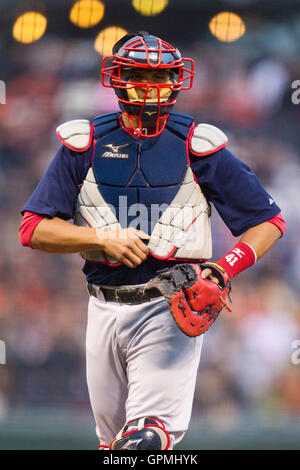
(115, 151)
(131, 444)
(150, 113)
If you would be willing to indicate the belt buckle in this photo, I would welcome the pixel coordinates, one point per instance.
(118, 295)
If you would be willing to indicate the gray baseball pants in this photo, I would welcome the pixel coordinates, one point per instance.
(139, 364)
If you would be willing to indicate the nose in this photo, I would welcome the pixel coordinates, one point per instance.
(151, 92)
(149, 89)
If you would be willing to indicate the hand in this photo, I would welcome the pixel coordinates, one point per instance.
(193, 302)
(207, 273)
(125, 245)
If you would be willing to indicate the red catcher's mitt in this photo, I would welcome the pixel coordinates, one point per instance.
(194, 303)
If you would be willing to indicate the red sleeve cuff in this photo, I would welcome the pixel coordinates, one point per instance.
(241, 257)
(278, 220)
(28, 224)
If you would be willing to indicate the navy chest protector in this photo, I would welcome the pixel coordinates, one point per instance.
(146, 184)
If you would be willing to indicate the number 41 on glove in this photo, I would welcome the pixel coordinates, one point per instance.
(194, 303)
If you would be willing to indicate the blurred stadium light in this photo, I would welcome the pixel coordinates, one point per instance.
(227, 26)
(176, 20)
(107, 38)
(149, 7)
(87, 13)
(29, 27)
(255, 5)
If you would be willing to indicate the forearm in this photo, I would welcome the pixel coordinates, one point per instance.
(58, 236)
(261, 238)
(254, 244)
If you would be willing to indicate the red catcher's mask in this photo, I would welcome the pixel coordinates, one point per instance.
(146, 52)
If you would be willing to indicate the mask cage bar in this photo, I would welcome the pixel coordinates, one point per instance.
(113, 72)
(160, 120)
(135, 46)
(144, 133)
(111, 77)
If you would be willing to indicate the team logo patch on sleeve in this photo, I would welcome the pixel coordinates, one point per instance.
(114, 151)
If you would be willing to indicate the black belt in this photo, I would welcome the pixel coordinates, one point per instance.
(134, 295)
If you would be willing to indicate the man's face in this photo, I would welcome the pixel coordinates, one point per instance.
(148, 76)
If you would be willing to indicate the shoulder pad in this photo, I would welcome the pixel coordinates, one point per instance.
(76, 135)
(207, 139)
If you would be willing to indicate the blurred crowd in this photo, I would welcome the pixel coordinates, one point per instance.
(246, 362)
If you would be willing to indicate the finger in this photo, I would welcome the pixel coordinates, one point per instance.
(142, 247)
(135, 236)
(214, 279)
(142, 234)
(205, 273)
(139, 253)
(133, 258)
(137, 247)
(126, 262)
(209, 276)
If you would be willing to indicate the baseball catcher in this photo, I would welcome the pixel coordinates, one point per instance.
(116, 170)
(194, 302)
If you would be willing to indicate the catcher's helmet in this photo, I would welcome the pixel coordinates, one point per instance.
(146, 52)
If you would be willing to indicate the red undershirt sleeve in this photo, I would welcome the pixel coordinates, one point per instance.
(28, 224)
(278, 220)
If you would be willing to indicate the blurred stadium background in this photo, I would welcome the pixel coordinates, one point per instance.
(247, 58)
